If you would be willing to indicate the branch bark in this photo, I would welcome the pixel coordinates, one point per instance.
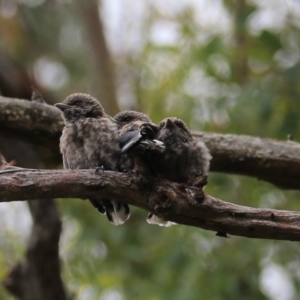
(277, 162)
(174, 202)
(38, 123)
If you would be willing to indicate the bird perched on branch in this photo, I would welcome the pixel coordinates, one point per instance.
(184, 159)
(128, 116)
(137, 132)
(138, 125)
(139, 137)
(90, 140)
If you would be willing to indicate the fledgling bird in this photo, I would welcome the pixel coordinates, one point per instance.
(139, 137)
(130, 124)
(90, 140)
(184, 160)
(137, 129)
(128, 116)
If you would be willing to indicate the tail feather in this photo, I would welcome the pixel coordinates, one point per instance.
(155, 220)
(97, 203)
(117, 213)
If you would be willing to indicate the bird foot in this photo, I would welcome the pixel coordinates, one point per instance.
(98, 169)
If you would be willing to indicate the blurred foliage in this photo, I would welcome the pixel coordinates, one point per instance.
(220, 66)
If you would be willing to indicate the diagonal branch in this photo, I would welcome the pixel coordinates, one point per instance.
(175, 202)
(277, 162)
(41, 124)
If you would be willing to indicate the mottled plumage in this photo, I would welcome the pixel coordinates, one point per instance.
(90, 140)
(128, 121)
(139, 138)
(128, 116)
(184, 159)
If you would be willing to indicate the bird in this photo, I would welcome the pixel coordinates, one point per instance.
(137, 132)
(90, 140)
(139, 137)
(126, 117)
(181, 151)
(130, 124)
(184, 159)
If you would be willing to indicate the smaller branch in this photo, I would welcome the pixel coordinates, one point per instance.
(39, 123)
(175, 202)
(277, 162)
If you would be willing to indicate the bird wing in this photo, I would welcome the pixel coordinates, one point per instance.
(129, 139)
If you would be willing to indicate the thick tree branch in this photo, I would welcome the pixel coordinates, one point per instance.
(38, 123)
(277, 162)
(175, 202)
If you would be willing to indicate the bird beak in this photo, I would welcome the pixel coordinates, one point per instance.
(169, 124)
(62, 106)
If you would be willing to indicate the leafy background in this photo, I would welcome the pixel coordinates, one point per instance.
(221, 66)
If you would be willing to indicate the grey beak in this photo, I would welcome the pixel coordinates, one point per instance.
(169, 124)
(62, 106)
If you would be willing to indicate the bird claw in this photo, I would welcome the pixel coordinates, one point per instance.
(98, 169)
(133, 172)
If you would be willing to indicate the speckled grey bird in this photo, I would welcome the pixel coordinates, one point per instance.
(131, 124)
(90, 140)
(128, 116)
(184, 159)
(137, 134)
(139, 138)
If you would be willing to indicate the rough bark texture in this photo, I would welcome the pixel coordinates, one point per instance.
(38, 123)
(175, 202)
(277, 162)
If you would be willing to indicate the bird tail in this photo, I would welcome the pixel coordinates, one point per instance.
(155, 220)
(117, 213)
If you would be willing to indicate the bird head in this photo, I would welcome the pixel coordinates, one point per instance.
(78, 105)
(128, 116)
(173, 130)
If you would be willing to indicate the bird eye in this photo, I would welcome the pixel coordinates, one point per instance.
(75, 103)
(127, 119)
